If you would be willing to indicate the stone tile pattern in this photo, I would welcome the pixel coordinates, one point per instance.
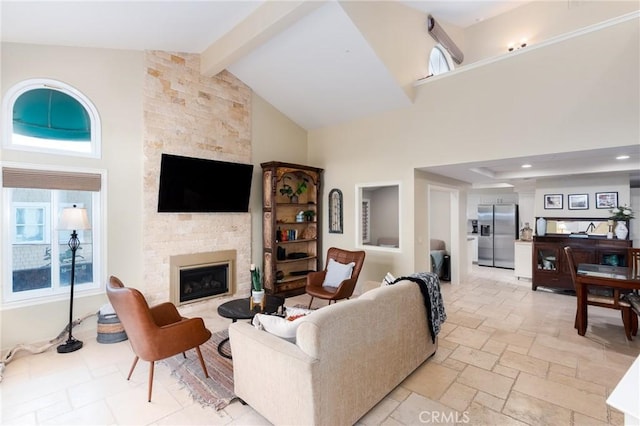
(531, 368)
(510, 355)
(186, 113)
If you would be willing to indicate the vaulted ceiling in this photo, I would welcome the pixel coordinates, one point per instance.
(310, 61)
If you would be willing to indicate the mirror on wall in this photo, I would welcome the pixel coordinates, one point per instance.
(577, 226)
(378, 215)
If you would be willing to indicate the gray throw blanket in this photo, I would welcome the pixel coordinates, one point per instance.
(430, 288)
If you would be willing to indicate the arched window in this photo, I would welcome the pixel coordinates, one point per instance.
(51, 116)
(439, 61)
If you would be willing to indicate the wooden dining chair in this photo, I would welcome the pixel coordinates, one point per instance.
(615, 301)
(634, 264)
(634, 260)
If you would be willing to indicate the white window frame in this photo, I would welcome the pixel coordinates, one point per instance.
(55, 292)
(366, 220)
(24, 86)
(46, 231)
(447, 57)
(362, 203)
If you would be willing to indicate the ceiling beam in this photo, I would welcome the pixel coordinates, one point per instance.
(268, 20)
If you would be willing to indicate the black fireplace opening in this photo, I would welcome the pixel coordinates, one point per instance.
(203, 281)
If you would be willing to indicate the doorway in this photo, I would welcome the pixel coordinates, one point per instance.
(444, 224)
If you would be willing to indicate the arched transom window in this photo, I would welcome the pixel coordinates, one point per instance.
(51, 116)
(439, 61)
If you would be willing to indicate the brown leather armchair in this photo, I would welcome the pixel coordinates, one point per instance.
(155, 332)
(314, 286)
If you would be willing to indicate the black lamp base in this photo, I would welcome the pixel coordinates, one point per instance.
(70, 345)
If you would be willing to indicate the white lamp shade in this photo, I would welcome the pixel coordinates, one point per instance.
(74, 218)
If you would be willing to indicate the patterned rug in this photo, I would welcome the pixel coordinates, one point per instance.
(217, 390)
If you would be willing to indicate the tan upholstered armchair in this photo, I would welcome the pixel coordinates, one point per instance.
(345, 289)
(155, 333)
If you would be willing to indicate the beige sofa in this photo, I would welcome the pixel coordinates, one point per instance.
(346, 358)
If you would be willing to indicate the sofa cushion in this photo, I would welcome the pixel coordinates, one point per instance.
(282, 327)
(337, 272)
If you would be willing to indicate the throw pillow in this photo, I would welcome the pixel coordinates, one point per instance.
(336, 273)
(388, 279)
(284, 328)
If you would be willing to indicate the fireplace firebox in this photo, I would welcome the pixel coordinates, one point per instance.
(200, 276)
(202, 282)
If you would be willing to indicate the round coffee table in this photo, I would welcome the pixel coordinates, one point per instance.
(239, 309)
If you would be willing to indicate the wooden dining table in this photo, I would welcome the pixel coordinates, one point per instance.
(604, 276)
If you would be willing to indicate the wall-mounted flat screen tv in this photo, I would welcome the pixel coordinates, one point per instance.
(197, 185)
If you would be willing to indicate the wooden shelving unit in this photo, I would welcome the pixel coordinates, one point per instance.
(281, 215)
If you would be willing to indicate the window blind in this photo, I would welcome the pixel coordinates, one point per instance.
(438, 34)
(50, 179)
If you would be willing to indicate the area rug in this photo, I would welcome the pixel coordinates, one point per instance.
(217, 389)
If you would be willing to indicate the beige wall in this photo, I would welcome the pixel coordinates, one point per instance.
(275, 138)
(581, 185)
(555, 99)
(509, 108)
(440, 212)
(403, 48)
(112, 80)
(537, 21)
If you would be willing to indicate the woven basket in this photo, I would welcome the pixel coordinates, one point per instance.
(110, 329)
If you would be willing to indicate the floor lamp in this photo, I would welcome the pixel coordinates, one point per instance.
(72, 219)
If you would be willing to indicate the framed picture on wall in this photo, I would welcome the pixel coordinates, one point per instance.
(606, 200)
(335, 211)
(578, 201)
(553, 201)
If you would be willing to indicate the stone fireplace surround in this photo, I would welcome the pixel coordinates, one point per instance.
(186, 261)
(194, 115)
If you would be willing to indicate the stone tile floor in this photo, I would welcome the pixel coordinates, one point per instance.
(507, 355)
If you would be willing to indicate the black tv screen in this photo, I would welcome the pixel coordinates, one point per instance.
(196, 185)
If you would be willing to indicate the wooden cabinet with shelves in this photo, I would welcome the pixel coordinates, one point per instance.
(549, 263)
(291, 227)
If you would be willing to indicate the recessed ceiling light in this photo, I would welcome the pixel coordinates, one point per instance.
(622, 157)
(526, 166)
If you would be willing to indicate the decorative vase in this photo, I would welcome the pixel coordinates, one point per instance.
(257, 299)
(610, 229)
(526, 234)
(621, 230)
(257, 296)
(541, 227)
(294, 199)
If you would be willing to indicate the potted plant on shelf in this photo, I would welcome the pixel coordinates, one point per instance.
(309, 215)
(621, 215)
(290, 192)
(257, 291)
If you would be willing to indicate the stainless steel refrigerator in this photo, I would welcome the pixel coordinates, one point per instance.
(498, 226)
